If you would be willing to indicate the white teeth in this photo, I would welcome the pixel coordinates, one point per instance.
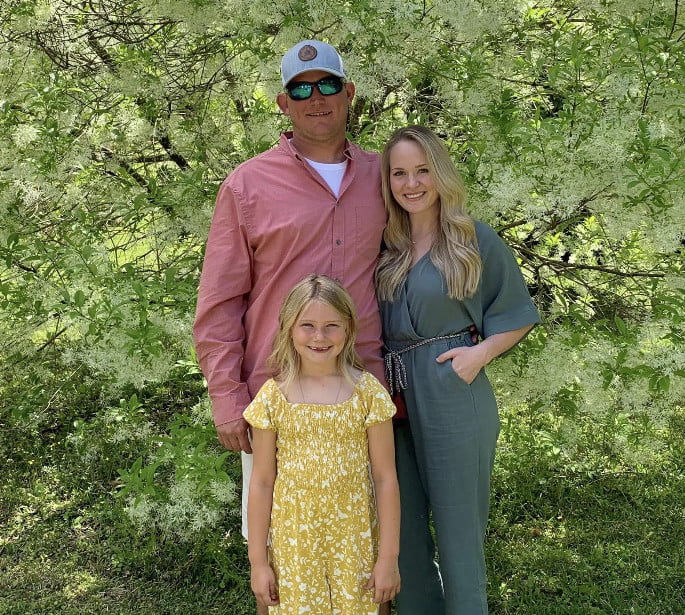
(414, 196)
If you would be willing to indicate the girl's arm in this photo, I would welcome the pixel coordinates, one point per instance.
(260, 499)
(385, 578)
(467, 361)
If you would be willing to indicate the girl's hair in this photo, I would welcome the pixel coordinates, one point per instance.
(284, 358)
(455, 249)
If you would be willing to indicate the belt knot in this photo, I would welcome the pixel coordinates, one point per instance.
(395, 372)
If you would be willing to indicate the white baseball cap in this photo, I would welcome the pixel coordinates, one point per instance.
(311, 55)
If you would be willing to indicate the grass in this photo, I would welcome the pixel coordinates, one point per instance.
(589, 546)
(66, 551)
(559, 543)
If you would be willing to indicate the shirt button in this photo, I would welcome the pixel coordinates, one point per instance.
(337, 242)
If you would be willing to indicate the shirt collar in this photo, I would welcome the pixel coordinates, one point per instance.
(285, 141)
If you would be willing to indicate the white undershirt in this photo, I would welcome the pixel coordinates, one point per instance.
(332, 173)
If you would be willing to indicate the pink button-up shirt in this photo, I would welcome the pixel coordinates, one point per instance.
(276, 221)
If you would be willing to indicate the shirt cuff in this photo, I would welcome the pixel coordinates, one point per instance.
(227, 408)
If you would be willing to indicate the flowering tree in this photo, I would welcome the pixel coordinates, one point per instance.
(119, 120)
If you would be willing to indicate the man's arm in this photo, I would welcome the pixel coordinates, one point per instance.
(218, 329)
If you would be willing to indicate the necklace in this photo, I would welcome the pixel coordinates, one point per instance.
(337, 395)
(430, 235)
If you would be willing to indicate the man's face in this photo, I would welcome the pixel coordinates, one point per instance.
(319, 117)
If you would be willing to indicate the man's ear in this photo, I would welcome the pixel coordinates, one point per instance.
(350, 89)
(282, 102)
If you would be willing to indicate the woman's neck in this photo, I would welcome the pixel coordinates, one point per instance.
(422, 226)
(422, 230)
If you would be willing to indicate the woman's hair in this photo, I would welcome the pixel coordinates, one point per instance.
(455, 249)
(284, 358)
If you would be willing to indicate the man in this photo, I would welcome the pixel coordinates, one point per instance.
(311, 204)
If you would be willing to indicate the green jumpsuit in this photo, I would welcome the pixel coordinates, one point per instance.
(445, 450)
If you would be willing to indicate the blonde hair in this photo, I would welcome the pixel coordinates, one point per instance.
(284, 358)
(455, 249)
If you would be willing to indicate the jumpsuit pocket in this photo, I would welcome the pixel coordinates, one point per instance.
(456, 402)
(445, 369)
(446, 372)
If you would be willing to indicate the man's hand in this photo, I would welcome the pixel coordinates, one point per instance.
(233, 435)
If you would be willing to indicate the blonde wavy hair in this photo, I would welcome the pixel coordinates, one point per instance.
(315, 287)
(455, 249)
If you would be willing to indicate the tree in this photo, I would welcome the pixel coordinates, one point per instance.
(120, 119)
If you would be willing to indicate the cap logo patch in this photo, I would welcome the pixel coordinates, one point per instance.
(307, 53)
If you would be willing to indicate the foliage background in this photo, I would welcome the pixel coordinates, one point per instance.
(118, 121)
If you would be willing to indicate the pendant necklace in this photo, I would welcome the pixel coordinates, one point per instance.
(304, 399)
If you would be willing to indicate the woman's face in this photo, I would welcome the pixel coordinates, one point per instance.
(411, 181)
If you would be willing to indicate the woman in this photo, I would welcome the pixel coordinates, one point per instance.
(441, 274)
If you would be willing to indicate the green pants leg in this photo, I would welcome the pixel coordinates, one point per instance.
(450, 439)
(421, 585)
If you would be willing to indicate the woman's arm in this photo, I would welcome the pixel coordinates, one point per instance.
(467, 361)
(385, 578)
(259, 503)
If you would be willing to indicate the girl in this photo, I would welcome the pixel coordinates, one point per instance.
(317, 427)
(441, 275)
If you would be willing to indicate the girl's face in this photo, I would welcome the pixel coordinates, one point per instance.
(319, 335)
(411, 181)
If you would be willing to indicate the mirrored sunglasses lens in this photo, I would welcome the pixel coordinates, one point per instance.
(329, 86)
(300, 91)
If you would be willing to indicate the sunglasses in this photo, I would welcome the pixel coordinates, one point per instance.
(302, 90)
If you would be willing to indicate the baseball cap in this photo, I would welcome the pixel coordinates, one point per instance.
(311, 55)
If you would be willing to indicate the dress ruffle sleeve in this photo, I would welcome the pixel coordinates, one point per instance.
(259, 412)
(377, 400)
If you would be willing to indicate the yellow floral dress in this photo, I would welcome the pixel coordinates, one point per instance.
(323, 534)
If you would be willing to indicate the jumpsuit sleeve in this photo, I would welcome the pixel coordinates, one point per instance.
(505, 301)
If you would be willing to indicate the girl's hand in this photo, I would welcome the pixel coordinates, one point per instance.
(385, 580)
(263, 582)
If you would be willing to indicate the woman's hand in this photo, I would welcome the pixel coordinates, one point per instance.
(263, 582)
(467, 361)
(385, 580)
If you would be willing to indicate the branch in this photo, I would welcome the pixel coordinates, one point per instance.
(558, 264)
(175, 156)
(675, 19)
(51, 340)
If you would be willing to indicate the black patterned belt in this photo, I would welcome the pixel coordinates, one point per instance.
(396, 372)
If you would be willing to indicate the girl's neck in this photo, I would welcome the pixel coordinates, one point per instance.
(319, 388)
(319, 371)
